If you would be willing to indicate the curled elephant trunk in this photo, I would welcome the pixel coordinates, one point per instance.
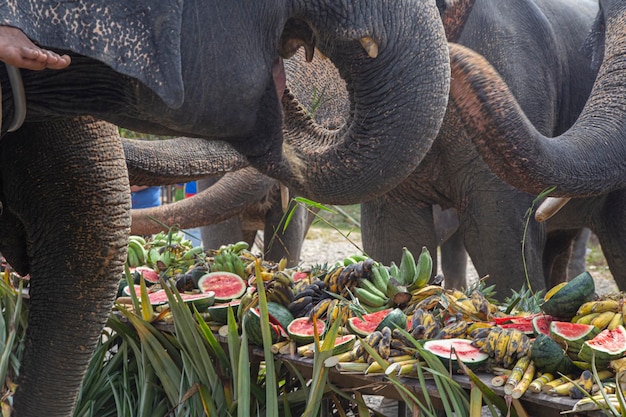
(397, 76)
(588, 159)
(230, 196)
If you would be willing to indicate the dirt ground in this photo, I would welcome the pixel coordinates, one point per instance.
(326, 245)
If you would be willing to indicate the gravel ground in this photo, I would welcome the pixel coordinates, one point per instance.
(324, 245)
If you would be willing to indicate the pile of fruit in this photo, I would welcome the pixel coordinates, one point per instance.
(396, 312)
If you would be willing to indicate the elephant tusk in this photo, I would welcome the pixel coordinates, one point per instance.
(284, 197)
(369, 44)
(550, 207)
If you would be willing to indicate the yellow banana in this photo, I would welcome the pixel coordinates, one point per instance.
(599, 306)
(453, 330)
(602, 320)
(617, 320)
(501, 346)
(492, 340)
(384, 345)
(586, 319)
(515, 339)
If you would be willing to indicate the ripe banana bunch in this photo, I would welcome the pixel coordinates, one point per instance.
(454, 329)
(343, 279)
(604, 314)
(424, 325)
(280, 289)
(474, 308)
(306, 298)
(505, 346)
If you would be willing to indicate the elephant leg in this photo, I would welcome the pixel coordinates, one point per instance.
(67, 182)
(454, 262)
(284, 243)
(388, 224)
(610, 227)
(578, 259)
(493, 228)
(557, 254)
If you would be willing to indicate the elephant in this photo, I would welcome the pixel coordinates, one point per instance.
(170, 68)
(491, 212)
(585, 160)
(583, 163)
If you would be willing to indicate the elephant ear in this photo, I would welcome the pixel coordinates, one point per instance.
(140, 39)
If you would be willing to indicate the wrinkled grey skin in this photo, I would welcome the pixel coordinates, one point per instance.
(585, 160)
(491, 213)
(70, 235)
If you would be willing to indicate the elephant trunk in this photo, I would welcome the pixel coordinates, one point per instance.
(172, 161)
(588, 159)
(230, 196)
(397, 76)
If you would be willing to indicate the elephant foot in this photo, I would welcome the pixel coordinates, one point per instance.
(17, 50)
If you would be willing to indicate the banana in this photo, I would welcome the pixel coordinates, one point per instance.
(453, 330)
(431, 326)
(407, 268)
(429, 303)
(191, 253)
(369, 299)
(424, 270)
(394, 270)
(427, 291)
(369, 286)
(331, 280)
(586, 319)
(320, 308)
(598, 307)
(617, 320)
(515, 339)
(380, 277)
(492, 340)
(384, 345)
(481, 304)
(140, 239)
(131, 258)
(585, 383)
(603, 319)
(371, 340)
(417, 318)
(297, 306)
(139, 250)
(240, 268)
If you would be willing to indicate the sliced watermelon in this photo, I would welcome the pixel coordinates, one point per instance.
(202, 301)
(541, 324)
(367, 323)
(571, 336)
(463, 351)
(607, 346)
(219, 312)
(149, 275)
(226, 285)
(302, 330)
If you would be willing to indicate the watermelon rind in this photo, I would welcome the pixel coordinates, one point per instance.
(365, 324)
(608, 345)
(565, 302)
(280, 313)
(219, 312)
(252, 326)
(571, 336)
(395, 318)
(549, 356)
(465, 352)
(201, 301)
(344, 344)
(541, 324)
(226, 285)
(301, 330)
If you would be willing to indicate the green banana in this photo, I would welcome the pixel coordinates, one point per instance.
(240, 268)
(131, 258)
(424, 270)
(407, 267)
(380, 277)
(369, 299)
(369, 286)
(140, 239)
(139, 251)
(394, 271)
(191, 253)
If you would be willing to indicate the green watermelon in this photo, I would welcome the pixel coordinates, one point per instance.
(302, 331)
(226, 285)
(252, 325)
(219, 312)
(464, 351)
(608, 345)
(549, 356)
(565, 301)
(395, 318)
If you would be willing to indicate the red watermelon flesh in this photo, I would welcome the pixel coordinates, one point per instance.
(541, 324)
(368, 322)
(148, 274)
(160, 297)
(226, 286)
